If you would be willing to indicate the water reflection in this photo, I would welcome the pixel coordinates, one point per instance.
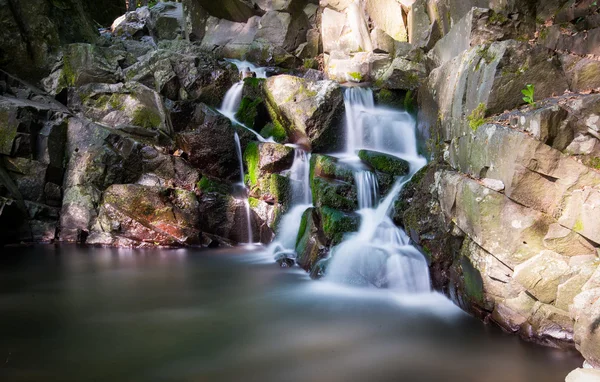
(79, 314)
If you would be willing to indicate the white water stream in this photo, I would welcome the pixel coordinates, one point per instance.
(379, 254)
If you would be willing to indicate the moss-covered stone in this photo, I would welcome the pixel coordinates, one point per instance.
(385, 163)
(280, 189)
(334, 193)
(146, 118)
(336, 223)
(325, 166)
(310, 247)
(274, 130)
(251, 156)
(207, 184)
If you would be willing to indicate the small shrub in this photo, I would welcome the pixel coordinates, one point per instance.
(528, 92)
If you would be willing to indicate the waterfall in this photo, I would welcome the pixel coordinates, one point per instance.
(232, 101)
(379, 254)
(233, 96)
(285, 241)
(242, 185)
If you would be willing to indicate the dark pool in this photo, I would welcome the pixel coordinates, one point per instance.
(85, 314)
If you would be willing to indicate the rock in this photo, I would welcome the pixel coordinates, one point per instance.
(382, 42)
(84, 64)
(387, 15)
(478, 27)
(419, 24)
(582, 73)
(474, 81)
(274, 158)
(131, 107)
(136, 215)
(210, 146)
(167, 21)
(494, 184)
(403, 74)
(232, 10)
(310, 112)
(132, 25)
(586, 312)
(253, 111)
(542, 274)
(385, 163)
(311, 47)
(224, 216)
(283, 30)
(184, 72)
(310, 247)
(335, 224)
(325, 166)
(195, 20)
(32, 32)
(581, 44)
(583, 375)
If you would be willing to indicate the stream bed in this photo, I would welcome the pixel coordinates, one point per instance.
(70, 313)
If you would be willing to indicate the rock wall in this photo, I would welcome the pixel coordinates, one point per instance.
(507, 211)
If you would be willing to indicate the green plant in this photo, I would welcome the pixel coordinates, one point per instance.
(528, 92)
(477, 117)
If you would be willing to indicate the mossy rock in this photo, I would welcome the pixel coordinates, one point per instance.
(251, 156)
(310, 247)
(274, 130)
(325, 166)
(334, 193)
(385, 163)
(335, 224)
(280, 188)
(207, 184)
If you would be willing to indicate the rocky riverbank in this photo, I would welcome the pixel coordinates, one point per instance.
(113, 136)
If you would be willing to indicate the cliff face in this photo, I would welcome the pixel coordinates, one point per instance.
(508, 210)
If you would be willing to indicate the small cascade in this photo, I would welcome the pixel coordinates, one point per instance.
(232, 101)
(367, 188)
(379, 254)
(299, 174)
(242, 185)
(285, 242)
(233, 96)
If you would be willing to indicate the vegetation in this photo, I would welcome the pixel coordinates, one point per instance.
(528, 93)
(477, 117)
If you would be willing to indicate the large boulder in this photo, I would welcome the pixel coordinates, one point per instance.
(136, 215)
(310, 112)
(283, 30)
(232, 10)
(388, 16)
(33, 30)
(129, 106)
(83, 64)
(210, 146)
(167, 21)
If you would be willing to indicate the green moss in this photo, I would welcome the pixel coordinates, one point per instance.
(473, 283)
(594, 163)
(334, 194)
(310, 63)
(329, 167)
(385, 163)
(280, 189)
(251, 157)
(303, 224)
(410, 102)
(356, 76)
(477, 117)
(253, 82)
(498, 18)
(68, 72)
(248, 111)
(253, 202)
(209, 185)
(336, 223)
(578, 227)
(146, 118)
(486, 55)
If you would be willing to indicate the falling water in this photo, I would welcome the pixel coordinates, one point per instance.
(379, 254)
(233, 96)
(242, 184)
(285, 241)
